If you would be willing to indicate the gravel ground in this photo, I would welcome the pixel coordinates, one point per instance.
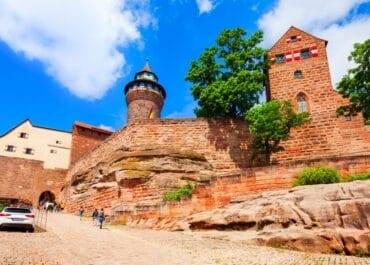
(72, 242)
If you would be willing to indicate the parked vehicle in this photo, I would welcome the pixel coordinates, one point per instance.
(17, 218)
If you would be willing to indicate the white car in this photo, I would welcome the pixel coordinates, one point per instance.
(17, 218)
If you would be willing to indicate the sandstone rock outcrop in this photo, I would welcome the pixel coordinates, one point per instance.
(141, 175)
(318, 218)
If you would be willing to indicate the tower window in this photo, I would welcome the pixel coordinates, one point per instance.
(53, 151)
(293, 39)
(302, 103)
(10, 148)
(28, 151)
(23, 135)
(305, 53)
(280, 58)
(298, 74)
(347, 117)
(58, 142)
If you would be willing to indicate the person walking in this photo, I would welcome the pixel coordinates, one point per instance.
(101, 218)
(81, 212)
(95, 217)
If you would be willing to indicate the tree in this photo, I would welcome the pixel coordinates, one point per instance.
(228, 78)
(271, 122)
(355, 85)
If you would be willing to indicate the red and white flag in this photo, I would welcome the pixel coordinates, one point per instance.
(297, 55)
(314, 51)
(288, 56)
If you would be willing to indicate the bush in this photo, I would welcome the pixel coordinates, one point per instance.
(2, 206)
(186, 190)
(317, 175)
(363, 176)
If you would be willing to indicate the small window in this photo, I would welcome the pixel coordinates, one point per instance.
(347, 117)
(58, 142)
(28, 151)
(302, 103)
(280, 58)
(293, 39)
(23, 135)
(53, 151)
(305, 53)
(10, 148)
(298, 74)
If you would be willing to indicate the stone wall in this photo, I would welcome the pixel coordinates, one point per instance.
(326, 135)
(141, 203)
(26, 179)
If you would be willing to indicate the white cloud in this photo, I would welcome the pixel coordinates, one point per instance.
(76, 40)
(205, 6)
(106, 127)
(335, 21)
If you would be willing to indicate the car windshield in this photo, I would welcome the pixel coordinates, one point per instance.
(17, 210)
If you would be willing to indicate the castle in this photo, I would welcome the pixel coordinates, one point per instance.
(129, 171)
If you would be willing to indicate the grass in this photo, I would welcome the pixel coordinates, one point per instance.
(186, 190)
(363, 176)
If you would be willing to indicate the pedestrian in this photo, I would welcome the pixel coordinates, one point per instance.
(81, 212)
(95, 216)
(101, 218)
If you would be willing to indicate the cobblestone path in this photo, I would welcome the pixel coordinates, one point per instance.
(73, 242)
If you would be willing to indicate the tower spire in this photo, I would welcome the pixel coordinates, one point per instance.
(146, 67)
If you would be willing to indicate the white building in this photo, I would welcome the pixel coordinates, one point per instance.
(51, 146)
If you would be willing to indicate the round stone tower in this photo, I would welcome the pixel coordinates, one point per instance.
(144, 96)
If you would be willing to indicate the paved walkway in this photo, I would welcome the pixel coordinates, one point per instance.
(73, 242)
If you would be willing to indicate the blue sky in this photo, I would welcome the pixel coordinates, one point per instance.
(68, 60)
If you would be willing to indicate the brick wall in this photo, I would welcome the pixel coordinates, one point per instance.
(84, 140)
(326, 134)
(142, 102)
(140, 200)
(26, 179)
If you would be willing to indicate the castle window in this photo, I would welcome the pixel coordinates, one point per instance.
(10, 148)
(298, 74)
(28, 151)
(305, 53)
(280, 58)
(302, 102)
(347, 117)
(53, 151)
(58, 142)
(23, 135)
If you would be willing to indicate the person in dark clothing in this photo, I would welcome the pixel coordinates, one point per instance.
(101, 218)
(81, 212)
(95, 217)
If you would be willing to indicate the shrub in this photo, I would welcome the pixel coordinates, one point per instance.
(185, 190)
(363, 176)
(317, 175)
(2, 206)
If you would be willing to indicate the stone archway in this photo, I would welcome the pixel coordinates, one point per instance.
(46, 196)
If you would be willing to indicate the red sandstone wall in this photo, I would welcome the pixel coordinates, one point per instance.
(137, 198)
(325, 135)
(84, 140)
(27, 179)
(223, 142)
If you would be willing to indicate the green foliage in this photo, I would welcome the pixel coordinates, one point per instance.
(229, 77)
(363, 176)
(317, 175)
(2, 206)
(185, 190)
(355, 85)
(271, 122)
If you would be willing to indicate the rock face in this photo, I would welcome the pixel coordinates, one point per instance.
(137, 179)
(318, 218)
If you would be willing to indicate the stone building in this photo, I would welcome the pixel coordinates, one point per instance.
(129, 172)
(132, 170)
